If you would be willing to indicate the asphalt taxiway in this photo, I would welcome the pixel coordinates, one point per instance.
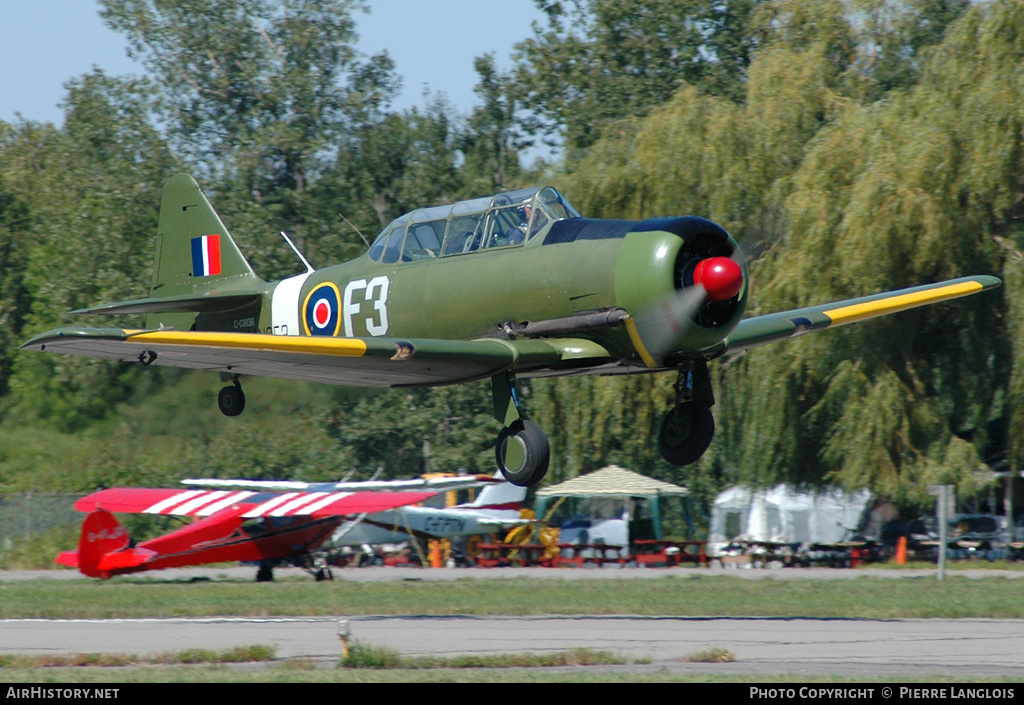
(968, 648)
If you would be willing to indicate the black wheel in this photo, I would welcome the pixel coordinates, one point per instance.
(686, 432)
(522, 453)
(265, 574)
(323, 574)
(231, 400)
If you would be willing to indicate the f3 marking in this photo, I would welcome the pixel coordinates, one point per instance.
(375, 290)
(325, 310)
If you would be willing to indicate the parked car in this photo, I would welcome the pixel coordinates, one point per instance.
(967, 536)
(976, 536)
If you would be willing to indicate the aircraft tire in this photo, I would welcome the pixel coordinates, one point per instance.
(523, 453)
(231, 400)
(685, 434)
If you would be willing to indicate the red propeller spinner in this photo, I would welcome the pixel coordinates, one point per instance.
(721, 277)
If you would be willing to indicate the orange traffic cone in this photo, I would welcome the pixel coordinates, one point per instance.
(901, 551)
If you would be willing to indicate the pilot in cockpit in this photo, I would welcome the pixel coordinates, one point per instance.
(517, 234)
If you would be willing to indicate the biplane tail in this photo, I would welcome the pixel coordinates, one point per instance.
(101, 534)
(201, 280)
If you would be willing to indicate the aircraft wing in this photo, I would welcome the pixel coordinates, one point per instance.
(361, 362)
(434, 484)
(249, 505)
(761, 330)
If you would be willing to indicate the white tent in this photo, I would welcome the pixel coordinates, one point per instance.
(783, 515)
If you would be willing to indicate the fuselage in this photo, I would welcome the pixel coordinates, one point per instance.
(283, 538)
(444, 273)
(407, 523)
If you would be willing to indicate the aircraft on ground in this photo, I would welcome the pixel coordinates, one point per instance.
(266, 523)
(503, 288)
(497, 506)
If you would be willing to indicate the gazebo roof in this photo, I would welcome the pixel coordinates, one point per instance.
(612, 480)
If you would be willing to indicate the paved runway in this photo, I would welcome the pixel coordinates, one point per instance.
(855, 647)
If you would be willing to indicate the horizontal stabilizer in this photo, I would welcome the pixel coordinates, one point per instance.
(127, 558)
(206, 303)
(67, 558)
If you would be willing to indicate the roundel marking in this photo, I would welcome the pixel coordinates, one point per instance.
(320, 310)
(322, 313)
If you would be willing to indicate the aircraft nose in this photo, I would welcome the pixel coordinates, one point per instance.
(721, 277)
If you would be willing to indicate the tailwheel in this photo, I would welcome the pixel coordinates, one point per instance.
(323, 573)
(231, 400)
(522, 453)
(686, 432)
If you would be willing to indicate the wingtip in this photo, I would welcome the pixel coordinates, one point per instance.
(988, 281)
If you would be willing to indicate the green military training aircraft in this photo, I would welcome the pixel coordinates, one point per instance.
(507, 287)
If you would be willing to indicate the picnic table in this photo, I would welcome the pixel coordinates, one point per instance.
(658, 552)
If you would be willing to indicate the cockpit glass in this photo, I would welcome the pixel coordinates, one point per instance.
(378, 245)
(507, 219)
(423, 240)
(393, 249)
(555, 204)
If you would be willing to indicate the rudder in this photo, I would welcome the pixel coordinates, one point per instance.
(101, 534)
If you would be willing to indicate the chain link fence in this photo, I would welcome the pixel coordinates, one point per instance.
(24, 516)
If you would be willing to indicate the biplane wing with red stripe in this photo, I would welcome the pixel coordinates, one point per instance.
(204, 503)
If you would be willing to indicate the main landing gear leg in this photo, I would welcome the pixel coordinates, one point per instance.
(265, 574)
(687, 430)
(521, 450)
(231, 400)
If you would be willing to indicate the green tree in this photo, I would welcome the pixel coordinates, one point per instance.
(892, 38)
(89, 194)
(15, 297)
(597, 61)
(257, 96)
(843, 197)
(392, 166)
(903, 191)
(489, 141)
(409, 432)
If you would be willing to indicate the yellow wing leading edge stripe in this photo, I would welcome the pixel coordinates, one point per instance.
(343, 347)
(862, 311)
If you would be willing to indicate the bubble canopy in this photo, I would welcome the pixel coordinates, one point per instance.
(508, 219)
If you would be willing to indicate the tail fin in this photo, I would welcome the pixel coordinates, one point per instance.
(201, 280)
(500, 495)
(101, 534)
(196, 256)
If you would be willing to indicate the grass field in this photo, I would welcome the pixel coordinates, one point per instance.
(675, 594)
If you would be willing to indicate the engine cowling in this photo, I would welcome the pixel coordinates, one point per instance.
(684, 280)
